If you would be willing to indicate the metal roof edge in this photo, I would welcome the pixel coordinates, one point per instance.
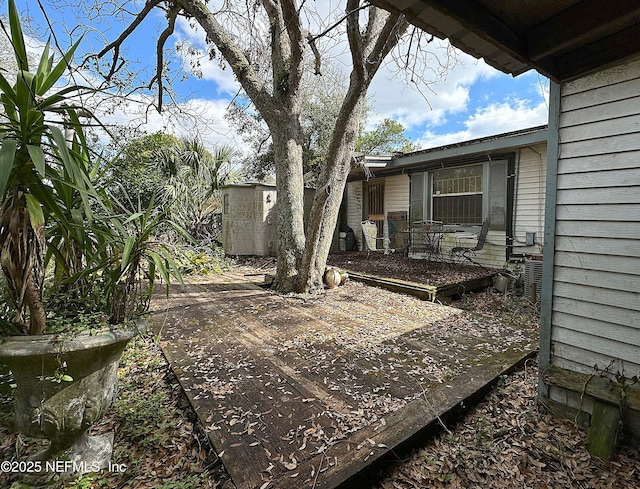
(248, 185)
(498, 142)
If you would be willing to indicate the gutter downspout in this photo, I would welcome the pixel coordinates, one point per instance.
(546, 309)
(514, 212)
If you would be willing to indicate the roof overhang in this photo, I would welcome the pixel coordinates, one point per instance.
(500, 145)
(562, 39)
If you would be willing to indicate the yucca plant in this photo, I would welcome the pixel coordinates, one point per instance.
(133, 257)
(36, 163)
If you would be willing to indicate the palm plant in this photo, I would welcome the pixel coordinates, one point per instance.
(193, 184)
(37, 163)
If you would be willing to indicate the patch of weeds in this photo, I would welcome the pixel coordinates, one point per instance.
(451, 373)
(138, 359)
(76, 322)
(201, 262)
(145, 419)
(74, 310)
(83, 482)
(483, 432)
(147, 416)
(195, 481)
(466, 303)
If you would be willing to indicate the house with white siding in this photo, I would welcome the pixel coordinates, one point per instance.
(590, 314)
(460, 185)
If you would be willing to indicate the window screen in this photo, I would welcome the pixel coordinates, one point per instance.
(457, 195)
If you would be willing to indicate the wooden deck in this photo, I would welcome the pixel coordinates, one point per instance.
(296, 394)
(424, 292)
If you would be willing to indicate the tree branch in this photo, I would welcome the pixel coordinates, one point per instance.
(296, 42)
(316, 54)
(395, 25)
(355, 40)
(340, 21)
(115, 45)
(171, 18)
(240, 65)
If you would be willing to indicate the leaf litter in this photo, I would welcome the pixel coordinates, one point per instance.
(506, 441)
(510, 440)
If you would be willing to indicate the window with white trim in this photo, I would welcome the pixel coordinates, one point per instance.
(457, 195)
(466, 195)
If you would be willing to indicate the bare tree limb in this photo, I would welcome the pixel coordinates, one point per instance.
(240, 65)
(115, 45)
(171, 19)
(355, 40)
(341, 20)
(386, 40)
(296, 41)
(316, 54)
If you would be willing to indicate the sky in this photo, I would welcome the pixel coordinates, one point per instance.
(474, 100)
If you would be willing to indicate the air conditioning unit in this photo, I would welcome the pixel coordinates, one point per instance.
(533, 279)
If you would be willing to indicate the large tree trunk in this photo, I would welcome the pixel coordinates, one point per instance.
(368, 49)
(290, 202)
(330, 190)
(301, 269)
(279, 104)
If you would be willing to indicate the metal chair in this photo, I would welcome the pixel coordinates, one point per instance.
(428, 238)
(370, 232)
(467, 252)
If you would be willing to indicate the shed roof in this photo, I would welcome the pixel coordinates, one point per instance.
(562, 39)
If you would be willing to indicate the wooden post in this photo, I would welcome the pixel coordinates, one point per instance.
(603, 431)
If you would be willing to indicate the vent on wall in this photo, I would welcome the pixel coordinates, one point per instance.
(533, 280)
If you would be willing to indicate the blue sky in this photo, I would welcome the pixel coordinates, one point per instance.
(473, 101)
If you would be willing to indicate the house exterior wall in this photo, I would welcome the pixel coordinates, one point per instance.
(531, 168)
(396, 193)
(409, 193)
(355, 204)
(528, 209)
(396, 210)
(594, 271)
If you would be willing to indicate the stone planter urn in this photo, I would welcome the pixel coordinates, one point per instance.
(65, 383)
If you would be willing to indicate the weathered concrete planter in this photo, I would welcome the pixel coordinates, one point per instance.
(62, 410)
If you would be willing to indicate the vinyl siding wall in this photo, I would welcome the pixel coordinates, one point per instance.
(528, 206)
(396, 194)
(528, 210)
(595, 318)
(354, 209)
(531, 168)
(396, 199)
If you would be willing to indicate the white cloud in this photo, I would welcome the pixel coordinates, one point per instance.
(431, 104)
(201, 117)
(422, 109)
(495, 118)
(211, 70)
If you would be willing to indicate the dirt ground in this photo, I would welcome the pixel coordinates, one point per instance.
(394, 265)
(510, 441)
(403, 268)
